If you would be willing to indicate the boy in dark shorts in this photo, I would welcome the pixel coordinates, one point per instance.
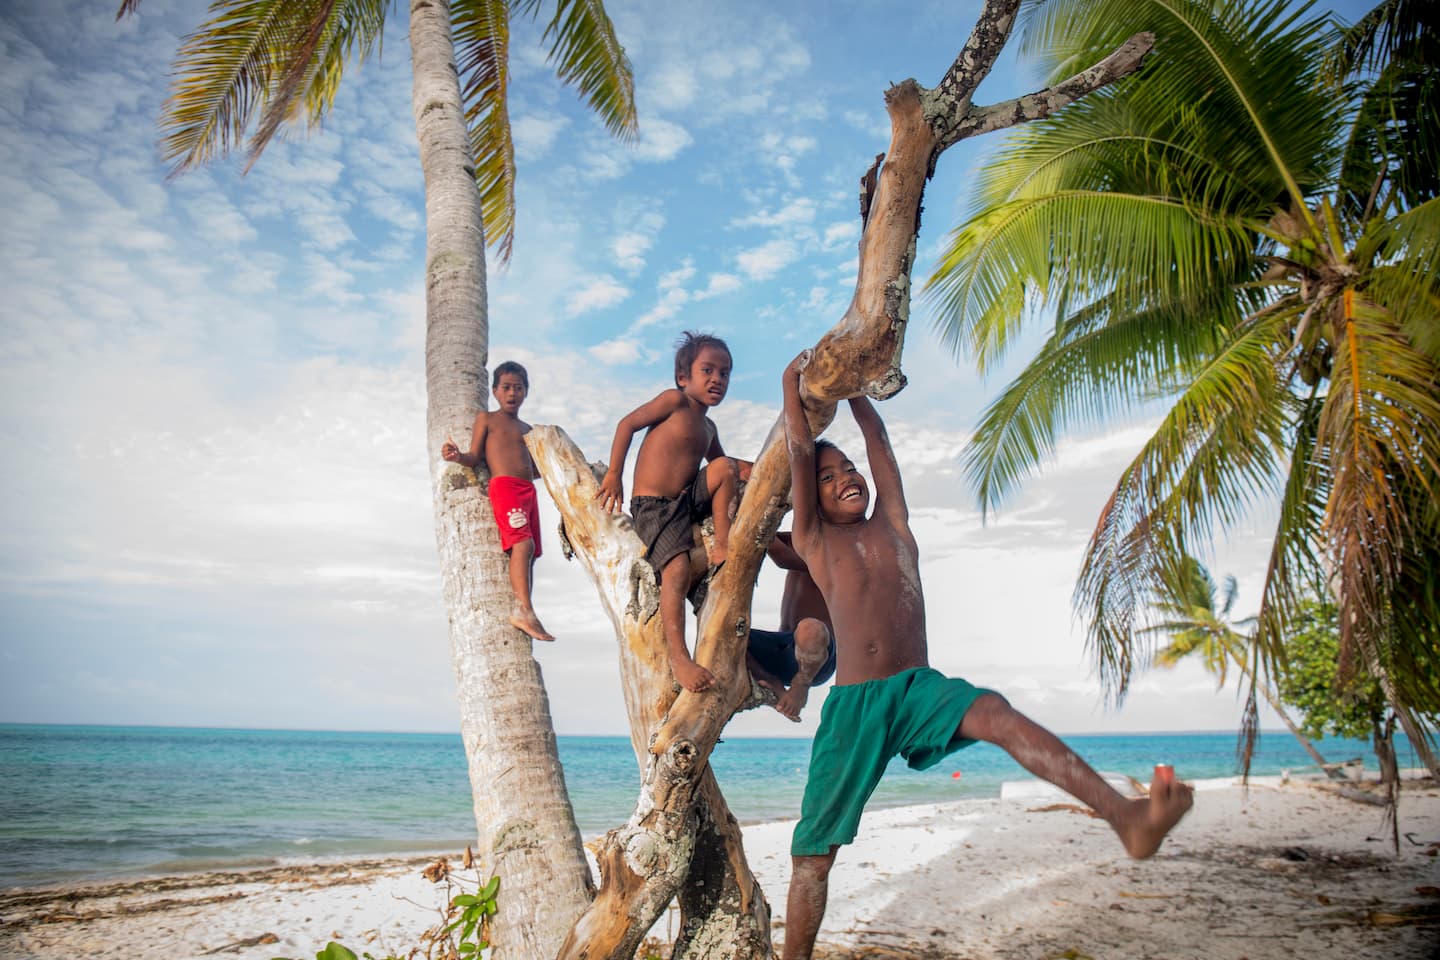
(498, 440)
(887, 700)
(672, 492)
(801, 654)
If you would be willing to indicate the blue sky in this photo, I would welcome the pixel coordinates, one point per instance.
(216, 506)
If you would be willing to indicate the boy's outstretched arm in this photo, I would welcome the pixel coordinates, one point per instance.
(612, 490)
(451, 452)
(889, 493)
(805, 527)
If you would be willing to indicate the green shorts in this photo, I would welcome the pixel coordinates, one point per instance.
(914, 714)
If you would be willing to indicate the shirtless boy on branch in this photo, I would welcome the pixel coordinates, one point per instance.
(498, 440)
(887, 700)
(671, 490)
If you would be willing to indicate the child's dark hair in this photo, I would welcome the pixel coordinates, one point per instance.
(509, 366)
(688, 347)
(822, 444)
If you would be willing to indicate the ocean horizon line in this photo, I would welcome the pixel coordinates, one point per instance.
(559, 733)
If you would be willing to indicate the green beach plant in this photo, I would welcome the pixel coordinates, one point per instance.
(1243, 243)
(464, 927)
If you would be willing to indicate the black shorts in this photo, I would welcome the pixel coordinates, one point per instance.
(775, 651)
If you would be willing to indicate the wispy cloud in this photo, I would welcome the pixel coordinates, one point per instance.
(596, 293)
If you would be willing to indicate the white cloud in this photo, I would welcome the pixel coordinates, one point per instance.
(629, 250)
(797, 210)
(844, 232)
(766, 260)
(678, 276)
(617, 351)
(669, 304)
(717, 284)
(535, 133)
(661, 141)
(671, 86)
(596, 294)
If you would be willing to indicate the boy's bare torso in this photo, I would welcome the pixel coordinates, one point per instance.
(672, 450)
(505, 452)
(869, 576)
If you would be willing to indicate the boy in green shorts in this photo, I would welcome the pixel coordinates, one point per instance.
(887, 700)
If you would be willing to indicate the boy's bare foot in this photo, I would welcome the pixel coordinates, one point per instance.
(691, 675)
(792, 701)
(530, 623)
(1147, 820)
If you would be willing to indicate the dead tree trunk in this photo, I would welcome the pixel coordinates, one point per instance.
(646, 862)
(728, 907)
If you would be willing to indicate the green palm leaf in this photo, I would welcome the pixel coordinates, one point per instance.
(482, 42)
(280, 58)
(587, 55)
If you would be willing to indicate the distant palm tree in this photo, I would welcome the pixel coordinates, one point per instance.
(1254, 251)
(265, 64)
(1186, 614)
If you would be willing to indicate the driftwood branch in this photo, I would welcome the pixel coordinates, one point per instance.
(646, 863)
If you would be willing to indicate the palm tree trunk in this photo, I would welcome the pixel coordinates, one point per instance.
(1275, 705)
(526, 826)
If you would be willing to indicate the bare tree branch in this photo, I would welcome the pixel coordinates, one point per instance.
(991, 33)
(962, 120)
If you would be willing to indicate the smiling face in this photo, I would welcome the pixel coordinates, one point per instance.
(709, 376)
(510, 392)
(840, 489)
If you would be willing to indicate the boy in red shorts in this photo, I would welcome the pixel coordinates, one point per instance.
(498, 441)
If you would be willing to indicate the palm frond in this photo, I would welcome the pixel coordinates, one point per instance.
(1291, 573)
(300, 56)
(1215, 451)
(1407, 281)
(1384, 33)
(256, 55)
(1380, 424)
(482, 41)
(1257, 63)
(587, 55)
(1137, 250)
(1099, 362)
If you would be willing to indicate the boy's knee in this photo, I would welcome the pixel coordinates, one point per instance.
(814, 868)
(812, 636)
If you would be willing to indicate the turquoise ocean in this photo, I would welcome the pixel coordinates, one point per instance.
(91, 802)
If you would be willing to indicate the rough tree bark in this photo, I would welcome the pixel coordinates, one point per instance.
(526, 827)
(646, 862)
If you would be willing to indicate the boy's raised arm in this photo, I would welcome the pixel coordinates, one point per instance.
(806, 523)
(783, 554)
(612, 489)
(449, 450)
(889, 493)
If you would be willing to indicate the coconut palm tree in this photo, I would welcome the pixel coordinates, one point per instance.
(1186, 614)
(256, 66)
(1230, 243)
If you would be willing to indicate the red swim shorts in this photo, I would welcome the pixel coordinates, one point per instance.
(517, 513)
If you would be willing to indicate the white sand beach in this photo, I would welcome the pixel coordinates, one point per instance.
(1285, 869)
